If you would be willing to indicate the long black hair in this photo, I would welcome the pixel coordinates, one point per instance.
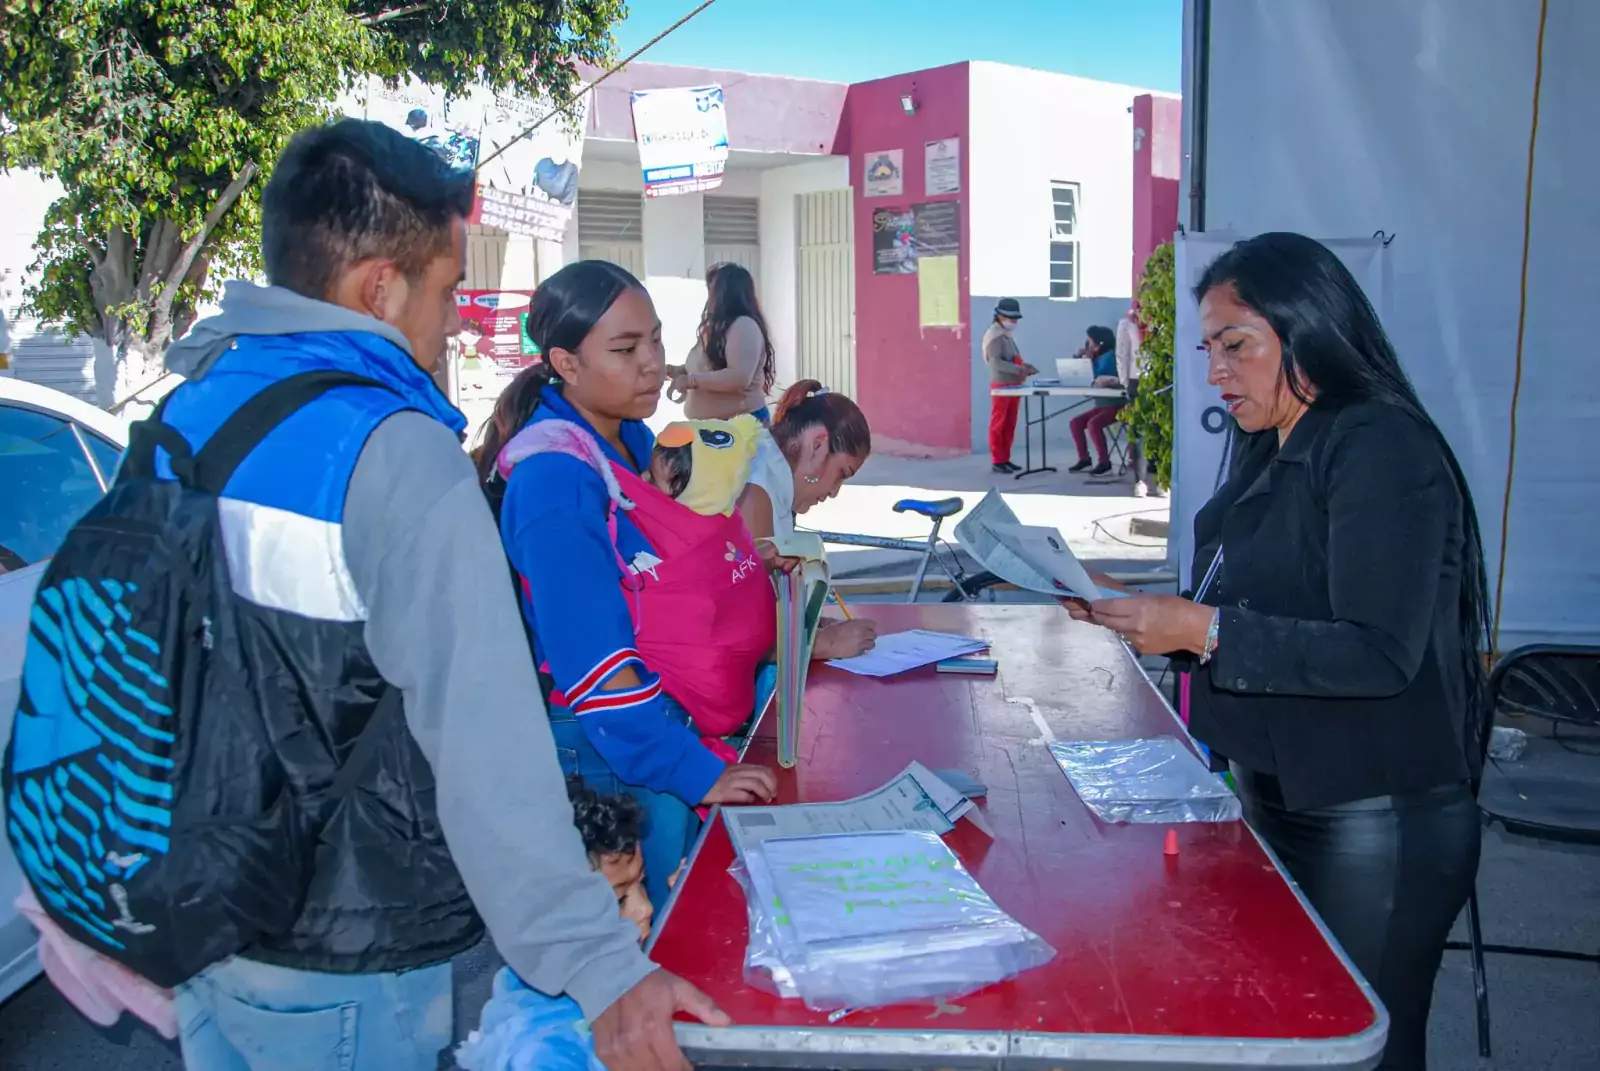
(1334, 345)
(730, 296)
(565, 309)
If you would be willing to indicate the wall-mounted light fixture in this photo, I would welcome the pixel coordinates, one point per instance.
(908, 103)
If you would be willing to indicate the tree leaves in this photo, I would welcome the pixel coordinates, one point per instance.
(1149, 416)
(149, 112)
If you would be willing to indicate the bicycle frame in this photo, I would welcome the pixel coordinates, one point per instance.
(926, 548)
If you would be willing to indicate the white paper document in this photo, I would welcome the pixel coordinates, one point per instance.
(899, 652)
(918, 799)
(1033, 558)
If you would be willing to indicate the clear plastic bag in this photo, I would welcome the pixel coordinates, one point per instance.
(870, 919)
(1148, 781)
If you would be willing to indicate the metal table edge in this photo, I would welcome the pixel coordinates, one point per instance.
(768, 1046)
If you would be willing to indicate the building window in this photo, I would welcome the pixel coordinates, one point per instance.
(1064, 241)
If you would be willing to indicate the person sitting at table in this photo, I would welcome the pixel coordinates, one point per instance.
(1006, 369)
(521, 1029)
(1336, 641)
(731, 367)
(818, 439)
(578, 561)
(1100, 347)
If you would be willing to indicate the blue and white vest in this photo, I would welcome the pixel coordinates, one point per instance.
(385, 895)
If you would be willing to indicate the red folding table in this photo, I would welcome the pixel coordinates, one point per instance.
(1207, 959)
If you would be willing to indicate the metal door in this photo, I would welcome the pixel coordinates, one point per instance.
(611, 227)
(733, 232)
(827, 289)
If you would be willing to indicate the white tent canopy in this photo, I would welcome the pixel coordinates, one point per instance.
(1414, 117)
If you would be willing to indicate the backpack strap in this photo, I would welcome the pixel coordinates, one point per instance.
(144, 436)
(242, 432)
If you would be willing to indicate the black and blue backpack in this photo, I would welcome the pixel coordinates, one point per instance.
(144, 795)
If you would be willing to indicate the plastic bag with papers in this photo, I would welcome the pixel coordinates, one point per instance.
(1155, 781)
(863, 920)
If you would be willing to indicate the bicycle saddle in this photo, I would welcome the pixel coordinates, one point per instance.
(942, 507)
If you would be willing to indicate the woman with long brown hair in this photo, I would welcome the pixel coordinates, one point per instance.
(731, 367)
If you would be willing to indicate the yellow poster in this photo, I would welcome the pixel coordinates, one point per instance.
(939, 291)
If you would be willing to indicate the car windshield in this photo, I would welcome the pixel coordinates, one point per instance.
(47, 482)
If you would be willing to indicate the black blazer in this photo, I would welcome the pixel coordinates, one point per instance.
(1339, 665)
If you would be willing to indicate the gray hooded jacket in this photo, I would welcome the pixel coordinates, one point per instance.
(445, 628)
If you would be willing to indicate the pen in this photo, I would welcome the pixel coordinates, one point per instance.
(843, 609)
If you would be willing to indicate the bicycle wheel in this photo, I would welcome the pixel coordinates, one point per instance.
(973, 587)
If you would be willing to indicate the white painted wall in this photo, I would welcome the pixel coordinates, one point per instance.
(1027, 129)
(779, 188)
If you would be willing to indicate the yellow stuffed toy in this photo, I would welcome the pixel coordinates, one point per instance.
(705, 464)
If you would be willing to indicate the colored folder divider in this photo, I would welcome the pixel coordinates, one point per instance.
(802, 594)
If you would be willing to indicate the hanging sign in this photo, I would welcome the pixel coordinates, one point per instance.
(683, 139)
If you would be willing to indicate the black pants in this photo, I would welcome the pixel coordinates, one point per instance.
(1388, 875)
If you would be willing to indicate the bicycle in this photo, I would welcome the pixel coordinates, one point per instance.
(963, 588)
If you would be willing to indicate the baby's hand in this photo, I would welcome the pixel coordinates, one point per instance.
(775, 562)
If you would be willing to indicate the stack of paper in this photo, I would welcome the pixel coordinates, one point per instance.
(861, 920)
(801, 595)
(899, 652)
(1032, 558)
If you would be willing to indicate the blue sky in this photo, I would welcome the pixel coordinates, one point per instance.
(1138, 42)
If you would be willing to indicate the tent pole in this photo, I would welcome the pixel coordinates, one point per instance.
(1200, 101)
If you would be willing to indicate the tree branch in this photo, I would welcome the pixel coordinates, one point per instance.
(396, 13)
(180, 267)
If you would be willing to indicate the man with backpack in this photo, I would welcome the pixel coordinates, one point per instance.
(280, 742)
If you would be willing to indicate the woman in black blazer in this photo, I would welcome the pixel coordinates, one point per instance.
(1336, 639)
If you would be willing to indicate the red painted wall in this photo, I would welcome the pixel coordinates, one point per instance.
(1157, 156)
(913, 383)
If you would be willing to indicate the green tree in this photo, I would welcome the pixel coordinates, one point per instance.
(1149, 417)
(159, 117)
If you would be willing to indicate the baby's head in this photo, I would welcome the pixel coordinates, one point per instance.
(611, 828)
(705, 464)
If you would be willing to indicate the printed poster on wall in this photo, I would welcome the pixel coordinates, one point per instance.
(450, 128)
(939, 291)
(683, 139)
(893, 251)
(936, 230)
(529, 188)
(494, 340)
(884, 175)
(942, 166)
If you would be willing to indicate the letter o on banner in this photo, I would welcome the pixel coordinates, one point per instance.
(1214, 419)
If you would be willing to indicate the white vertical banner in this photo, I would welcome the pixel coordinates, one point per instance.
(1200, 421)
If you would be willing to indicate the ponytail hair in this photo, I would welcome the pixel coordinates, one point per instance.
(565, 309)
(808, 404)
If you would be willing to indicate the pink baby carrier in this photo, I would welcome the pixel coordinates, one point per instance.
(704, 612)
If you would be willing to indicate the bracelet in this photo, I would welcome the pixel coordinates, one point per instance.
(1210, 647)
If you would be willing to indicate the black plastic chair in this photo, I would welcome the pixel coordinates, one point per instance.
(1560, 684)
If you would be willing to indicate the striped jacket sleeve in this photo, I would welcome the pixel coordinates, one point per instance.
(553, 523)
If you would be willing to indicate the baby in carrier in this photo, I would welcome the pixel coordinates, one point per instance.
(521, 1029)
(705, 464)
(705, 614)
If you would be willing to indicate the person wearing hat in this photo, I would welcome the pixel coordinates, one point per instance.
(1006, 369)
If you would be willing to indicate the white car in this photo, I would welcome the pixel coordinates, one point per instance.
(57, 456)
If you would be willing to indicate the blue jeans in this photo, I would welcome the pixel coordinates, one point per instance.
(670, 825)
(240, 1015)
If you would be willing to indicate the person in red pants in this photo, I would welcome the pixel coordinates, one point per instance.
(1101, 349)
(1006, 369)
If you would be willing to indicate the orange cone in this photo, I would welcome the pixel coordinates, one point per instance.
(1171, 846)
